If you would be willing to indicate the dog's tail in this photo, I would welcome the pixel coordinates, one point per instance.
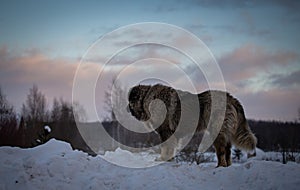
(243, 137)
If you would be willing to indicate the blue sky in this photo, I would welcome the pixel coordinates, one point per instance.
(256, 44)
(58, 25)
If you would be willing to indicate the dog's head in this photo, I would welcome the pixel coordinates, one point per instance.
(137, 99)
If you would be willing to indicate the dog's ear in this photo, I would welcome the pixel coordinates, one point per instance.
(129, 92)
(135, 93)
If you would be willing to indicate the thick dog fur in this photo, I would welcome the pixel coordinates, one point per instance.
(234, 130)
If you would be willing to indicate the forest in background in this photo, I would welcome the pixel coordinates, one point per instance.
(29, 128)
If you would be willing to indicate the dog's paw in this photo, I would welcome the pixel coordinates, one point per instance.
(159, 159)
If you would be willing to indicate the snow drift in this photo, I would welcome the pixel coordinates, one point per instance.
(55, 165)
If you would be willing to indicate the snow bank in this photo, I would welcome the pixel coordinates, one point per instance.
(132, 160)
(55, 165)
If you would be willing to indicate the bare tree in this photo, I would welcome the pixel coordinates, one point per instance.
(34, 109)
(8, 122)
(7, 113)
(65, 111)
(79, 112)
(55, 112)
(115, 97)
(299, 114)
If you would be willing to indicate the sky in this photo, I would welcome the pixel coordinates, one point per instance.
(255, 44)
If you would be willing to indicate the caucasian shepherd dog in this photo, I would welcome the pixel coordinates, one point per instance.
(234, 127)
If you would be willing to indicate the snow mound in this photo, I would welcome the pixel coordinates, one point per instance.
(132, 160)
(55, 165)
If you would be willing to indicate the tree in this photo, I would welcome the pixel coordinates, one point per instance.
(55, 112)
(63, 111)
(7, 114)
(79, 112)
(115, 97)
(34, 110)
(8, 121)
(66, 111)
(299, 114)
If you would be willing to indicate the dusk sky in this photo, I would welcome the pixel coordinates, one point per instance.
(255, 43)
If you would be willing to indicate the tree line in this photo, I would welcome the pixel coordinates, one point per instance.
(28, 128)
(36, 124)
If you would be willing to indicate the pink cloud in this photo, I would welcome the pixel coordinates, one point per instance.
(37, 68)
(275, 104)
(54, 76)
(250, 60)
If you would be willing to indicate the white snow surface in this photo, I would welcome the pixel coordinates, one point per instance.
(55, 165)
(47, 128)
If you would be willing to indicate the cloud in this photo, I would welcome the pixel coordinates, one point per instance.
(247, 25)
(250, 25)
(274, 104)
(170, 6)
(179, 5)
(292, 79)
(54, 76)
(250, 60)
(257, 76)
(289, 4)
(36, 68)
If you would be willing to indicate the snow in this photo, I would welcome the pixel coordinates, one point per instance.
(127, 159)
(47, 128)
(55, 165)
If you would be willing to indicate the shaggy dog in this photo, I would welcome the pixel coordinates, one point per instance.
(234, 127)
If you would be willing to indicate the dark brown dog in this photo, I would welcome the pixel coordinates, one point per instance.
(234, 130)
